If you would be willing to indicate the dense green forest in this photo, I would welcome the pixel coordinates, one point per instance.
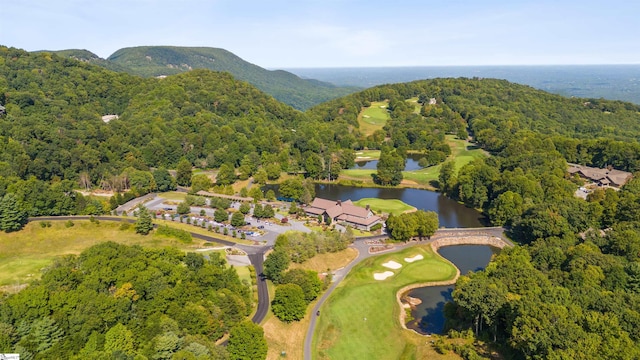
(151, 61)
(118, 301)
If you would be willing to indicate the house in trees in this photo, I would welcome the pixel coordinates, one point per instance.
(601, 177)
(2, 110)
(343, 212)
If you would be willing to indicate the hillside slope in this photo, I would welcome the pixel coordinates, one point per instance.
(148, 61)
(88, 57)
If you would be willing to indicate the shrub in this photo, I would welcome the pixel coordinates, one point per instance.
(376, 227)
(125, 226)
(183, 236)
(68, 224)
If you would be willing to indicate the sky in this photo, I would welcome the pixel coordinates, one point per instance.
(340, 33)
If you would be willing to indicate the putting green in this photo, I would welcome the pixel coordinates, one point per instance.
(387, 206)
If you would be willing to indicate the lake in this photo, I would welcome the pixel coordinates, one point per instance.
(450, 213)
(429, 315)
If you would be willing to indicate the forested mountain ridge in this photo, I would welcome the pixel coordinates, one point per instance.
(54, 106)
(150, 61)
(590, 131)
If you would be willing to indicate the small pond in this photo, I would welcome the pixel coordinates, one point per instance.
(429, 315)
(410, 164)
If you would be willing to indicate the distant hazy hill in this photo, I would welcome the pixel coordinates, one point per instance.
(89, 57)
(150, 61)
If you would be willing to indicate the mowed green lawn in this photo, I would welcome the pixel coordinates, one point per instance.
(387, 206)
(23, 254)
(367, 155)
(373, 117)
(360, 320)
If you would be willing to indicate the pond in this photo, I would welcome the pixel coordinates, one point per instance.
(410, 164)
(429, 315)
(450, 213)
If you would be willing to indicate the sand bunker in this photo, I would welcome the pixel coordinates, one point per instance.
(415, 258)
(382, 276)
(392, 265)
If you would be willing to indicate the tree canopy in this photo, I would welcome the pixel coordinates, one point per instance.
(115, 299)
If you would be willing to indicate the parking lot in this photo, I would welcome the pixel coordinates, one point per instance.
(254, 229)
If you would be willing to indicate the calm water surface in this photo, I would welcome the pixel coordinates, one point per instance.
(429, 316)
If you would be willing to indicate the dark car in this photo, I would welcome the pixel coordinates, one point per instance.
(261, 227)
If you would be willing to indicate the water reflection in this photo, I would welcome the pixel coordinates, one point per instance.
(410, 165)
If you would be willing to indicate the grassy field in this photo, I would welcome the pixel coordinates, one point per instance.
(360, 319)
(387, 206)
(173, 195)
(358, 174)
(374, 117)
(416, 106)
(25, 253)
(333, 261)
(290, 337)
(367, 155)
(202, 231)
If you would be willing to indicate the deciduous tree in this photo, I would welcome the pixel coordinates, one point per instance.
(247, 342)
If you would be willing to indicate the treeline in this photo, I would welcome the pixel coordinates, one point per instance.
(125, 301)
(569, 290)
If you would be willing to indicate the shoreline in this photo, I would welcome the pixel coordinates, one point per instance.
(436, 244)
(404, 290)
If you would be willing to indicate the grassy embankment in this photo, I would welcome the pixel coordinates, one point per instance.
(290, 337)
(23, 254)
(462, 152)
(387, 206)
(361, 318)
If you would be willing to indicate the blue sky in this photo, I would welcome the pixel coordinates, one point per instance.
(340, 33)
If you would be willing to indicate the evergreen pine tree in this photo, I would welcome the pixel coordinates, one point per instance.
(13, 216)
(144, 224)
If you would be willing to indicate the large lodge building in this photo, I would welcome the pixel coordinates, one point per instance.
(343, 212)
